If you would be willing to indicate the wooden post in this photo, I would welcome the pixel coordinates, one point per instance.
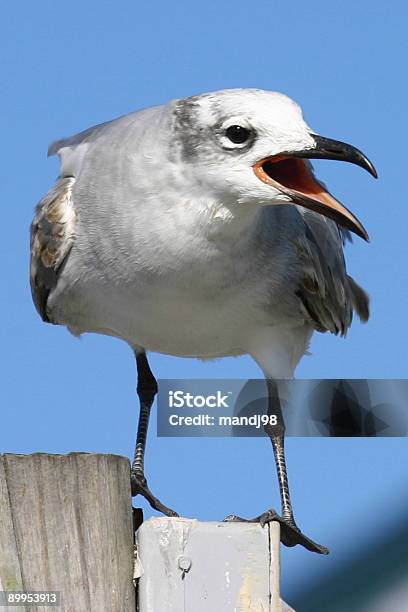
(66, 525)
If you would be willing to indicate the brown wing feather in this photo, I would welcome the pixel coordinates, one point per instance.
(52, 236)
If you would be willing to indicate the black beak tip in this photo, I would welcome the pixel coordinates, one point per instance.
(358, 230)
(366, 164)
(369, 166)
(373, 171)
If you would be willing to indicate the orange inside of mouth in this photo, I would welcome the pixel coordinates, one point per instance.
(290, 172)
(294, 177)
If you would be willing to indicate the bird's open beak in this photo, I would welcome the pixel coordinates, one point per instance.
(288, 173)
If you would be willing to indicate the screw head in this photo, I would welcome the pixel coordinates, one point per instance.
(184, 563)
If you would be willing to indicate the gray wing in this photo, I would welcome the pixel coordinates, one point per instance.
(85, 137)
(52, 236)
(54, 226)
(328, 294)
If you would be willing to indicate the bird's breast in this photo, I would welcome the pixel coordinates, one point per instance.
(171, 275)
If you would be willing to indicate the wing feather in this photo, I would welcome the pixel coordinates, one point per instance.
(52, 236)
(327, 293)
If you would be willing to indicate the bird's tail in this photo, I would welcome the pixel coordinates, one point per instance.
(359, 299)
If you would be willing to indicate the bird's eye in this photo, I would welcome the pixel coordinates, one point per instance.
(237, 134)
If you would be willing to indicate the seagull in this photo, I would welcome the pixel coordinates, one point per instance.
(198, 229)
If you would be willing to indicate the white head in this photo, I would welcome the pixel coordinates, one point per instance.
(249, 145)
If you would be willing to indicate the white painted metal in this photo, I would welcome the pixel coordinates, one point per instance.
(190, 566)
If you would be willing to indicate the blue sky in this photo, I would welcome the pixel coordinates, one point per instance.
(68, 67)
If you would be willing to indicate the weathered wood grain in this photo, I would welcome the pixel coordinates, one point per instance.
(66, 525)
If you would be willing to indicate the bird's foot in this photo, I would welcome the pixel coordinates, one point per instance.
(139, 487)
(290, 533)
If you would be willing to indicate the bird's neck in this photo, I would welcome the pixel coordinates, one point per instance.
(226, 220)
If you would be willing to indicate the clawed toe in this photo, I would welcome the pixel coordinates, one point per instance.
(139, 487)
(290, 532)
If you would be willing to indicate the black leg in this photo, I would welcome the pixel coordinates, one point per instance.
(146, 390)
(275, 429)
